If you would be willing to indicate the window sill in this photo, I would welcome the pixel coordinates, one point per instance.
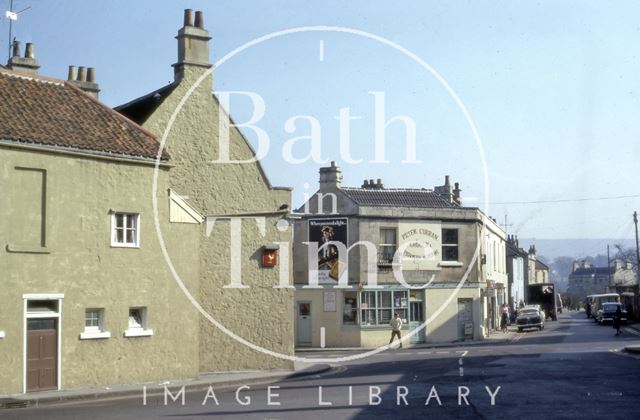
(450, 264)
(94, 335)
(1, 334)
(28, 249)
(125, 246)
(138, 333)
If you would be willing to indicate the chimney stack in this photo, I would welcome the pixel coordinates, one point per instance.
(193, 45)
(26, 64)
(330, 177)
(85, 79)
(445, 190)
(456, 194)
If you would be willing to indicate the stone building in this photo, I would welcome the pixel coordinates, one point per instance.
(586, 279)
(236, 288)
(363, 254)
(95, 209)
(516, 258)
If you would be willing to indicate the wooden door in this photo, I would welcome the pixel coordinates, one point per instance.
(42, 354)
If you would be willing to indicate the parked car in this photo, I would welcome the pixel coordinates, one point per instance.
(608, 310)
(530, 317)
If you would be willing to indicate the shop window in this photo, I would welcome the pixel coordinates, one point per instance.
(378, 308)
(450, 245)
(350, 308)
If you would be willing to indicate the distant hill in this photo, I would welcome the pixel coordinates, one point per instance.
(575, 248)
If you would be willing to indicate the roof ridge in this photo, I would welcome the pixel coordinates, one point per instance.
(33, 77)
(391, 189)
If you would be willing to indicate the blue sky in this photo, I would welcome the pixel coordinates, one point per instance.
(552, 86)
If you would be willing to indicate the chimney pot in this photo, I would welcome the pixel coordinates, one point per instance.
(72, 73)
(16, 48)
(365, 184)
(91, 75)
(188, 17)
(199, 20)
(28, 52)
(82, 74)
(447, 180)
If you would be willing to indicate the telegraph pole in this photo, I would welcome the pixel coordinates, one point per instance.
(608, 266)
(635, 221)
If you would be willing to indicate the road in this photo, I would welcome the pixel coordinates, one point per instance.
(572, 369)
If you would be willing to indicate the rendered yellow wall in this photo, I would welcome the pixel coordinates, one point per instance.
(81, 264)
(260, 314)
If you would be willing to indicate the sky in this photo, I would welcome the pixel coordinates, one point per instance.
(552, 88)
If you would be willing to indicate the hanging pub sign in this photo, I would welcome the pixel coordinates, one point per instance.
(270, 255)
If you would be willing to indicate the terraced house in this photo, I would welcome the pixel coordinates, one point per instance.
(88, 294)
(432, 260)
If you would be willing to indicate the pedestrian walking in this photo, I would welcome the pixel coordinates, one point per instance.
(617, 320)
(503, 321)
(396, 326)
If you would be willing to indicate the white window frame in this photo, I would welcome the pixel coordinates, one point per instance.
(377, 307)
(92, 333)
(114, 242)
(382, 246)
(141, 329)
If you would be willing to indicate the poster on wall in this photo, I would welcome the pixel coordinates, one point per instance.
(330, 301)
(324, 231)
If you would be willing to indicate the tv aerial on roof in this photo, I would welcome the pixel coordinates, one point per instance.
(11, 15)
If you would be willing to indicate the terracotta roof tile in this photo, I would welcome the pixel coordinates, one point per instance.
(50, 112)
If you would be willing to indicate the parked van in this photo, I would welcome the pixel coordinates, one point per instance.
(598, 300)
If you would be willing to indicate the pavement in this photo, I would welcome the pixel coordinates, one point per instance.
(217, 380)
(635, 329)
(495, 337)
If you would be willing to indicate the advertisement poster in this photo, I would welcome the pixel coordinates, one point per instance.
(324, 232)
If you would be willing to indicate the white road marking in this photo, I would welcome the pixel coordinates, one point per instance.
(424, 352)
(442, 352)
(464, 353)
(322, 50)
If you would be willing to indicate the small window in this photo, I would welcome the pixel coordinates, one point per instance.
(125, 230)
(387, 246)
(94, 325)
(450, 245)
(137, 326)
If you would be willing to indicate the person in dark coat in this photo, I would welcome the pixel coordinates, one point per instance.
(617, 320)
(504, 318)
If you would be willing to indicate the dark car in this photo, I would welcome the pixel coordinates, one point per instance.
(608, 310)
(530, 317)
